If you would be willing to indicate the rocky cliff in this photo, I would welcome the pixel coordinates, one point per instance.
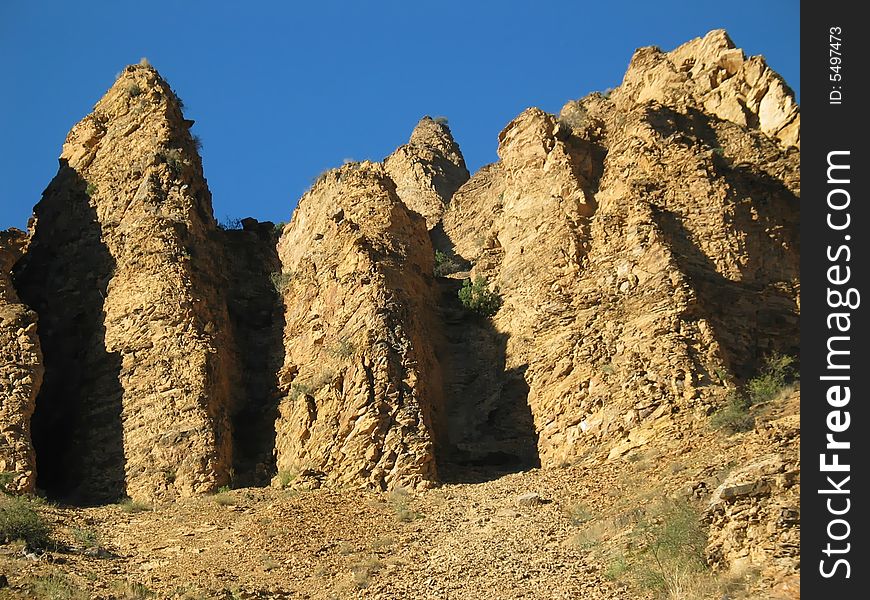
(647, 254)
(428, 169)
(712, 75)
(643, 246)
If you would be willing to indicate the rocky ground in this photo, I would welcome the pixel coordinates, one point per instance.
(578, 531)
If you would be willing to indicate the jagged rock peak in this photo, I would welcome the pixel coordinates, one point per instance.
(435, 133)
(428, 169)
(710, 74)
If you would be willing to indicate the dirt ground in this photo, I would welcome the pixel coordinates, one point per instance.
(552, 534)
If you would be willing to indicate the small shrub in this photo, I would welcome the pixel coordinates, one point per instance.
(616, 568)
(672, 550)
(132, 88)
(56, 586)
(478, 298)
(343, 349)
(607, 92)
(178, 100)
(91, 190)
(578, 514)
(445, 264)
(777, 369)
(734, 417)
(280, 281)
(224, 499)
(664, 554)
(300, 389)
(6, 479)
(132, 590)
(285, 478)
(364, 569)
(19, 520)
(86, 538)
(129, 506)
(321, 177)
(197, 142)
(441, 120)
(175, 159)
(143, 62)
(279, 227)
(399, 500)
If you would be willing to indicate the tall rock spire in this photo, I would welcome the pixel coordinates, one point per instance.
(124, 271)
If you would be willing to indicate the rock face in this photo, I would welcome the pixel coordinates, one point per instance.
(712, 75)
(644, 247)
(20, 373)
(361, 381)
(124, 270)
(646, 254)
(427, 170)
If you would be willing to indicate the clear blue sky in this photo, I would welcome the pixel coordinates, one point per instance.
(281, 91)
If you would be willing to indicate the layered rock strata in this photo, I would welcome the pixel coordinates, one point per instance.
(646, 254)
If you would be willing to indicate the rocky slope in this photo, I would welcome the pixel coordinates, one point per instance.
(21, 373)
(644, 246)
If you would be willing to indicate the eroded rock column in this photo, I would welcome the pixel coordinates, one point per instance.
(125, 271)
(361, 383)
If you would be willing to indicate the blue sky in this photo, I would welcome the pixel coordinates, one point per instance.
(281, 91)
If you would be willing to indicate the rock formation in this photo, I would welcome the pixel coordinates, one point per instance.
(711, 74)
(754, 515)
(647, 253)
(427, 170)
(644, 245)
(362, 385)
(20, 373)
(124, 270)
